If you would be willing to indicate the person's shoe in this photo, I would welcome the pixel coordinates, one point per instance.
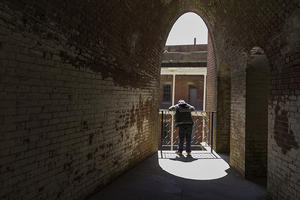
(189, 154)
(178, 153)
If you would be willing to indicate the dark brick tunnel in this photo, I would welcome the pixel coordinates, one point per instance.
(79, 84)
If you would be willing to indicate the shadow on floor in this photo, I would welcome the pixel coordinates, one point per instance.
(148, 181)
(183, 159)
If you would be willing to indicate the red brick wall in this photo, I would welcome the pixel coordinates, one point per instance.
(166, 79)
(186, 48)
(182, 88)
(211, 86)
(211, 100)
(182, 83)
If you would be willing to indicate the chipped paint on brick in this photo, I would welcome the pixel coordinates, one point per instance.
(283, 134)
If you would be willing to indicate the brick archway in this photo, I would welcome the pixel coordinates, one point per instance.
(79, 87)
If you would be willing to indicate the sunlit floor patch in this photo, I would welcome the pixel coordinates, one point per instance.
(203, 165)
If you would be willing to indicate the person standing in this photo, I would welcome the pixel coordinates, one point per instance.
(184, 121)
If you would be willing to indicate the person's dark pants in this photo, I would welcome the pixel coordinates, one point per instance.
(185, 131)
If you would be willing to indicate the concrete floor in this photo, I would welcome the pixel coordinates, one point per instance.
(204, 176)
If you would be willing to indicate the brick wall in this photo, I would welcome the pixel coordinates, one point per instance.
(186, 48)
(211, 79)
(74, 115)
(182, 88)
(182, 83)
(166, 79)
(211, 86)
(257, 93)
(283, 111)
(238, 115)
(282, 49)
(222, 136)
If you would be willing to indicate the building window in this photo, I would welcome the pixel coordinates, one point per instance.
(167, 93)
(192, 95)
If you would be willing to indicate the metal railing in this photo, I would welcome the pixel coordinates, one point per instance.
(202, 135)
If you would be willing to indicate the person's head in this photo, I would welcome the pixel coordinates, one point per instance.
(181, 102)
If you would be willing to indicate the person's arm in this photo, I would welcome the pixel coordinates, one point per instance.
(172, 108)
(192, 108)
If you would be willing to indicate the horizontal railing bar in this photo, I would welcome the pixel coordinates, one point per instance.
(193, 145)
(194, 113)
(167, 110)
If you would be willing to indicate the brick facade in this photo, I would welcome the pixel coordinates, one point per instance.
(181, 60)
(182, 88)
(182, 83)
(165, 80)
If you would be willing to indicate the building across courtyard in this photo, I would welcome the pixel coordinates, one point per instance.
(183, 75)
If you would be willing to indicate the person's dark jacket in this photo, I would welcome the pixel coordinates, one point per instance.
(183, 113)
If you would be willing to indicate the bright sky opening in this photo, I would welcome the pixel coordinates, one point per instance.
(186, 28)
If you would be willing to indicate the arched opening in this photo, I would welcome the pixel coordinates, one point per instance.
(184, 71)
(256, 136)
(188, 26)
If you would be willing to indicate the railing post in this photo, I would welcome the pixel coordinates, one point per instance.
(209, 130)
(172, 131)
(212, 132)
(203, 126)
(162, 131)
